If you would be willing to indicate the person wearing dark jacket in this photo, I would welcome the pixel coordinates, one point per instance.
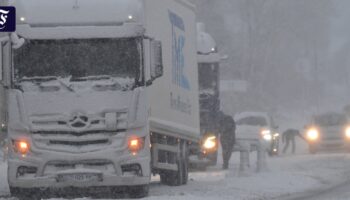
(288, 137)
(228, 137)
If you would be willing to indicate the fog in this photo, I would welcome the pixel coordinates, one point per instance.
(293, 55)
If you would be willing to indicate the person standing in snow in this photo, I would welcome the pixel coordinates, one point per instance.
(288, 137)
(227, 137)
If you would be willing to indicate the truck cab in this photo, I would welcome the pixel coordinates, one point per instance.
(85, 80)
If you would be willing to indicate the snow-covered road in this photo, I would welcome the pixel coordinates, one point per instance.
(339, 192)
(286, 176)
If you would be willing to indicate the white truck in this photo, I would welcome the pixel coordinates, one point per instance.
(100, 95)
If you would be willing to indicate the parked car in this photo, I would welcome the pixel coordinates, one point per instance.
(329, 131)
(258, 126)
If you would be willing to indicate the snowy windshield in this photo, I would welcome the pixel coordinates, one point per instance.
(252, 121)
(78, 58)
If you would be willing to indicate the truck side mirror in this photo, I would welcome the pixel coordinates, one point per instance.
(1, 68)
(156, 59)
(5, 61)
(16, 41)
(3, 128)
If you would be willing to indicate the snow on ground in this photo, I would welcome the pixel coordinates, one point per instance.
(286, 175)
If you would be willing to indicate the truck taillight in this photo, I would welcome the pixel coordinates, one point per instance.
(21, 146)
(135, 144)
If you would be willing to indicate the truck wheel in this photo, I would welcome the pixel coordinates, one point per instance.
(185, 163)
(180, 177)
(173, 178)
(136, 192)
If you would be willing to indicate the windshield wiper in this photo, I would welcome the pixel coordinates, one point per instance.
(68, 87)
(90, 78)
(38, 79)
(41, 79)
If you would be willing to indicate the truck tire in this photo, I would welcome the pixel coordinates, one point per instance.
(185, 163)
(173, 178)
(180, 177)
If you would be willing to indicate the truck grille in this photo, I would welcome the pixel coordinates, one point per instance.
(74, 142)
(82, 143)
(54, 167)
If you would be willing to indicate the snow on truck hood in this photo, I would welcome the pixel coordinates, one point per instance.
(68, 111)
(38, 104)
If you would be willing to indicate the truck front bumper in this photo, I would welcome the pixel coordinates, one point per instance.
(94, 169)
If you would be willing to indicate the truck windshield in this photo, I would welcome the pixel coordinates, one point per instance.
(208, 78)
(78, 58)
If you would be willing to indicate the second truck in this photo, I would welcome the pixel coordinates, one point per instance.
(205, 154)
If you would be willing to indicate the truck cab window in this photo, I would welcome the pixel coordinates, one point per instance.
(79, 59)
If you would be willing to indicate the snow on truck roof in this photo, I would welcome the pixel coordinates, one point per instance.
(72, 12)
(206, 46)
(205, 42)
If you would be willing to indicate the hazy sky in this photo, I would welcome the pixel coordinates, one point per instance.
(341, 24)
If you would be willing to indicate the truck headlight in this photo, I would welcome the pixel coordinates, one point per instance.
(347, 132)
(210, 143)
(135, 144)
(313, 134)
(21, 146)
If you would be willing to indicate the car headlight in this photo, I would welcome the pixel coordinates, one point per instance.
(266, 134)
(210, 143)
(267, 137)
(313, 134)
(347, 132)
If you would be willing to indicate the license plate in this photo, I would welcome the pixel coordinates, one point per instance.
(78, 177)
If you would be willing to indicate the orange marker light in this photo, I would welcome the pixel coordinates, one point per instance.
(22, 147)
(135, 144)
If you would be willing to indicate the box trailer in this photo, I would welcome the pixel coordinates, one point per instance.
(100, 95)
